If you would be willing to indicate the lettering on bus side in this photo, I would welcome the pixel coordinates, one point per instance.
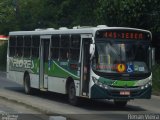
(20, 63)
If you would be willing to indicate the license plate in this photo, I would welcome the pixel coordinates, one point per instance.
(124, 92)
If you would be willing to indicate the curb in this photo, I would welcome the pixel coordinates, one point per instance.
(26, 105)
(9, 96)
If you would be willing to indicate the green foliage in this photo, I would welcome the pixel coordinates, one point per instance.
(133, 13)
(6, 16)
(31, 14)
(156, 79)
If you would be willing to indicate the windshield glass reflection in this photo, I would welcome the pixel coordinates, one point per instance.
(117, 57)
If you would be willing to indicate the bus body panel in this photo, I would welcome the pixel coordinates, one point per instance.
(34, 80)
(16, 77)
(57, 84)
(101, 93)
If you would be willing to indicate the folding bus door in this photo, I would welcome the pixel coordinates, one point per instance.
(85, 64)
(44, 58)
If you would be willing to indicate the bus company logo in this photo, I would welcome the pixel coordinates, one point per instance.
(121, 67)
(21, 63)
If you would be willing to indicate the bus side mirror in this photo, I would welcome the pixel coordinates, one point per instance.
(153, 56)
(92, 50)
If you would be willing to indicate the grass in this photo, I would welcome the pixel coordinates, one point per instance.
(156, 79)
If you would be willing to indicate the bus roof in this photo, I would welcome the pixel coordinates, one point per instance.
(74, 30)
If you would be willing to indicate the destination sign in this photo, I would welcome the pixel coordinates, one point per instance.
(136, 35)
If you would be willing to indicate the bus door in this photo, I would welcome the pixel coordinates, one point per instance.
(85, 64)
(44, 60)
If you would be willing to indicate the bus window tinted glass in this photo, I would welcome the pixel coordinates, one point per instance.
(35, 52)
(27, 52)
(74, 54)
(64, 53)
(35, 41)
(27, 41)
(65, 41)
(75, 47)
(75, 41)
(55, 41)
(20, 41)
(19, 51)
(55, 53)
(12, 41)
(12, 51)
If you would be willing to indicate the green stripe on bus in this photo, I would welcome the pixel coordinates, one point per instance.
(106, 81)
(121, 83)
(58, 71)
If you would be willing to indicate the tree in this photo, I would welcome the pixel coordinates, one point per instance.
(7, 19)
(32, 14)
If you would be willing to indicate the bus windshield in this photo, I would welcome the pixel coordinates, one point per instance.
(121, 57)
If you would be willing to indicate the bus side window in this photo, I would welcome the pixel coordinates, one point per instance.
(35, 46)
(27, 46)
(55, 53)
(64, 53)
(75, 47)
(19, 46)
(64, 47)
(12, 46)
(55, 47)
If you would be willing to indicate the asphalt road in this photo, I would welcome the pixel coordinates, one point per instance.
(10, 110)
(56, 104)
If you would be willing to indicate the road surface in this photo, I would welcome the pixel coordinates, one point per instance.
(10, 109)
(56, 104)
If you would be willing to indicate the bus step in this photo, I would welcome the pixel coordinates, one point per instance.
(43, 89)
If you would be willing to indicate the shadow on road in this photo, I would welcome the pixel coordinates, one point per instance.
(94, 105)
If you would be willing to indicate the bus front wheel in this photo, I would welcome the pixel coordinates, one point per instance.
(27, 87)
(120, 103)
(73, 100)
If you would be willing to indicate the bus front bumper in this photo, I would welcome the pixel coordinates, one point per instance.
(114, 93)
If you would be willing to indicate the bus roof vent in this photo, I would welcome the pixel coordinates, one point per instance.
(75, 27)
(63, 28)
(50, 29)
(102, 26)
(81, 27)
(38, 29)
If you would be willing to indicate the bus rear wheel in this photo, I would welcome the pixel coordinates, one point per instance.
(120, 103)
(27, 88)
(73, 100)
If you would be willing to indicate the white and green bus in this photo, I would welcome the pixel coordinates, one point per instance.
(92, 62)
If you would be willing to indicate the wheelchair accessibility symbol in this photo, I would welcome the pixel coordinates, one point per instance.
(130, 68)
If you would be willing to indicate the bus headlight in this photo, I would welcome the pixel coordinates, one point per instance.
(105, 86)
(142, 87)
(146, 85)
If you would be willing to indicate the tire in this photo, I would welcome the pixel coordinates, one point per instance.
(119, 103)
(27, 88)
(73, 100)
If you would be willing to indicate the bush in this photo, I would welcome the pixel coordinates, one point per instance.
(156, 79)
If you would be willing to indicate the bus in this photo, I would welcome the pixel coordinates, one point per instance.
(112, 63)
